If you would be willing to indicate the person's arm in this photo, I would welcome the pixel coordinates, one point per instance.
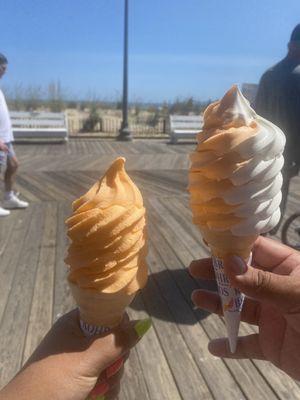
(68, 366)
(272, 302)
(293, 118)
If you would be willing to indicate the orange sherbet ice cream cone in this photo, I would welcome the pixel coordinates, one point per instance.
(235, 188)
(107, 253)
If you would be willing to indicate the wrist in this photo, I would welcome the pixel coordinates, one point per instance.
(46, 380)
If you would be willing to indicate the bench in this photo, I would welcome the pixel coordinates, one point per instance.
(185, 126)
(39, 125)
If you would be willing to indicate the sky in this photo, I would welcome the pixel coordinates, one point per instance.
(177, 48)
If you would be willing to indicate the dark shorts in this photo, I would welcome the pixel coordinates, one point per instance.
(10, 154)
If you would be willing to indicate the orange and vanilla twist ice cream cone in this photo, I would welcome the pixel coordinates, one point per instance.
(235, 188)
(107, 253)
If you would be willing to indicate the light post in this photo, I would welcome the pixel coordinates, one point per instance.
(124, 133)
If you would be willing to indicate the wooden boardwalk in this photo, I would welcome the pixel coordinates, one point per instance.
(172, 361)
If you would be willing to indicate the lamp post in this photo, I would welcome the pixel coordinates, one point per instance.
(124, 133)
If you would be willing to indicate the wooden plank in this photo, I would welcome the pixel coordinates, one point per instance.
(15, 318)
(34, 185)
(133, 384)
(189, 380)
(183, 216)
(40, 318)
(22, 187)
(63, 300)
(158, 376)
(183, 256)
(187, 319)
(11, 254)
(85, 179)
(6, 227)
(61, 158)
(152, 187)
(179, 217)
(173, 185)
(49, 187)
(65, 180)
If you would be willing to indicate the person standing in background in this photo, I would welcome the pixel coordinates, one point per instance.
(7, 154)
(278, 100)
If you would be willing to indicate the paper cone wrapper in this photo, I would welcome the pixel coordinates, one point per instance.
(100, 312)
(232, 302)
(222, 244)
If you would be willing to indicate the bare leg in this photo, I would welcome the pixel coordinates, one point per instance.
(10, 173)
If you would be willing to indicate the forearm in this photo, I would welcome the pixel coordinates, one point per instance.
(42, 380)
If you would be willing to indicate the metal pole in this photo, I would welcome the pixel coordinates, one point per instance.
(125, 133)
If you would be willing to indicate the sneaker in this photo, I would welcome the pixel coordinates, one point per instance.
(4, 213)
(14, 202)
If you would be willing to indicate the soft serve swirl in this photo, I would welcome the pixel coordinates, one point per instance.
(108, 238)
(235, 180)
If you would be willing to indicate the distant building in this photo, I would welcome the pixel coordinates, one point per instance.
(249, 90)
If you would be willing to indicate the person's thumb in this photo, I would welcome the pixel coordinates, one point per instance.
(103, 351)
(278, 290)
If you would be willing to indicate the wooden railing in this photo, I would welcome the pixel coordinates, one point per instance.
(111, 126)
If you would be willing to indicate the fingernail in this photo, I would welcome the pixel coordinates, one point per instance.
(114, 368)
(99, 391)
(142, 326)
(238, 265)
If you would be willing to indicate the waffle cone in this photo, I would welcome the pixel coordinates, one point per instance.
(225, 243)
(101, 309)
